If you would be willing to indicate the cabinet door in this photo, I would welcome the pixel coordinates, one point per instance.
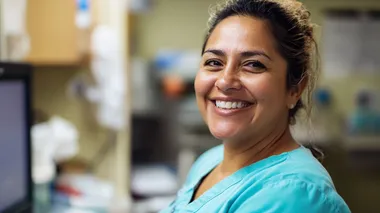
(52, 31)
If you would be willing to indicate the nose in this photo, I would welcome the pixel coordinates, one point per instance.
(228, 80)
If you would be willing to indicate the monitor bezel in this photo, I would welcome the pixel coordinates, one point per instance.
(22, 72)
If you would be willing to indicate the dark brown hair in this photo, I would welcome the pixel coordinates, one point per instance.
(290, 23)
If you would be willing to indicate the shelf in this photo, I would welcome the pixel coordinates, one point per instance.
(54, 38)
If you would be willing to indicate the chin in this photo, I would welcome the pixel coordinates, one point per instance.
(224, 134)
(227, 129)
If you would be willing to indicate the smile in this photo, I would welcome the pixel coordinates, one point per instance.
(231, 104)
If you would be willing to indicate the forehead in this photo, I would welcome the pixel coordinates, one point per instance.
(242, 33)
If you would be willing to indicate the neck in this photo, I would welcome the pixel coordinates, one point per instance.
(249, 152)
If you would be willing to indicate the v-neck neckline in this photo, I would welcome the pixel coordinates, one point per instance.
(229, 181)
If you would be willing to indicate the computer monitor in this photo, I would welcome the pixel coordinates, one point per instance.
(15, 143)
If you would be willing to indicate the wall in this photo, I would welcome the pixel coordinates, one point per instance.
(343, 89)
(178, 24)
(50, 96)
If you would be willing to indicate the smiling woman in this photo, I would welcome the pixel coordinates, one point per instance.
(257, 61)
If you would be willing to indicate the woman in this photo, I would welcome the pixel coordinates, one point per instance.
(256, 64)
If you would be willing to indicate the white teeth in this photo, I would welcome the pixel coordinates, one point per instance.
(230, 105)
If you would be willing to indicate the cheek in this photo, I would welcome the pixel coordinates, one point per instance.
(204, 83)
(268, 89)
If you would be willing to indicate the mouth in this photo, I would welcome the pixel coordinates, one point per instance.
(231, 105)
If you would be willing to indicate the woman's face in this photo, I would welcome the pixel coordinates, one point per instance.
(241, 85)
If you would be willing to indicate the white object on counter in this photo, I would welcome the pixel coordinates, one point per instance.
(53, 141)
(164, 181)
(94, 193)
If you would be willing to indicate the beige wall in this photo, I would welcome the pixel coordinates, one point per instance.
(178, 24)
(50, 96)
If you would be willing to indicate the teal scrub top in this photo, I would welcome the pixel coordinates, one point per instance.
(291, 182)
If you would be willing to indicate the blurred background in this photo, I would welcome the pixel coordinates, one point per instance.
(114, 126)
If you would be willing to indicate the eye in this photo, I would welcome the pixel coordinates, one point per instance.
(213, 63)
(256, 65)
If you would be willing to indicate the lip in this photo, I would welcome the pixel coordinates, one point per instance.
(228, 112)
(229, 99)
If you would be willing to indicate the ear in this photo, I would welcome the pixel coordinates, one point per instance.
(296, 91)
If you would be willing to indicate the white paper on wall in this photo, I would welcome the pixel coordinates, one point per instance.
(370, 52)
(341, 46)
(13, 27)
(13, 16)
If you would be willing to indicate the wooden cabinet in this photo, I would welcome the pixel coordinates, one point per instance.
(54, 37)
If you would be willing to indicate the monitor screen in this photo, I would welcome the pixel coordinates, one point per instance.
(13, 183)
(15, 177)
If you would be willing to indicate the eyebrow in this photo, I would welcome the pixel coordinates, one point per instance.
(244, 54)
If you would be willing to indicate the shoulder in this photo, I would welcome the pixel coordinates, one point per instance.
(298, 183)
(301, 165)
(206, 162)
(291, 195)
